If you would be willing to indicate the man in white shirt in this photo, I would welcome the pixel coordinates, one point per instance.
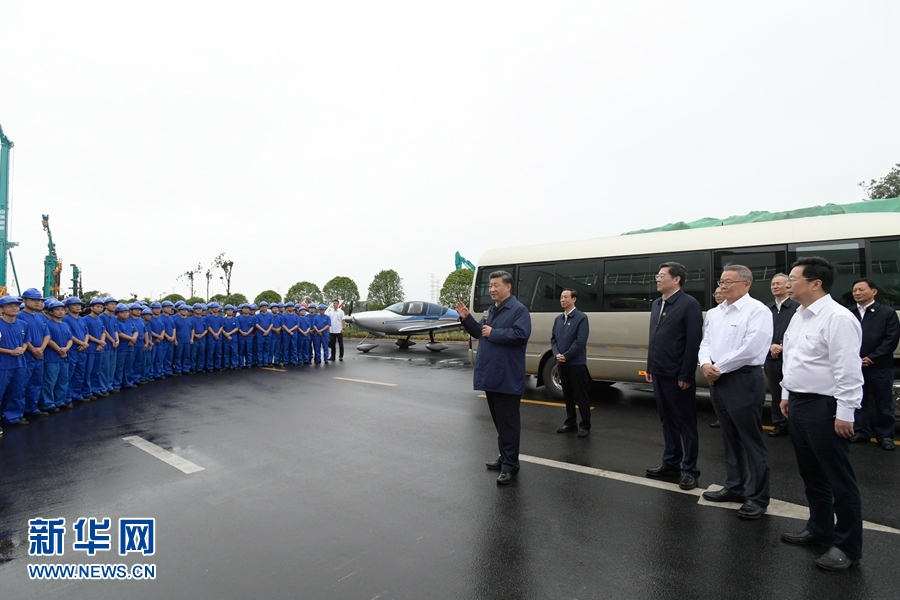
(336, 331)
(736, 339)
(821, 389)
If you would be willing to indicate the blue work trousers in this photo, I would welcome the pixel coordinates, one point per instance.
(264, 349)
(124, 375)
(55, 388)
(214, 352)
(182, 357)
(34, 380)
(108, 368)
(198, 354)
(93, 377)
(304, 344)
(12, 393)
(230, 355)
(79, 387)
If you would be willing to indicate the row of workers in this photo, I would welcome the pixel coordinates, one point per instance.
(50, 361)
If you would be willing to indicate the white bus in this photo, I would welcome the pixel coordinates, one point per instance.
(615, 279)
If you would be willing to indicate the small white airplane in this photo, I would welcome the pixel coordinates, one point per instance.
(405, 318)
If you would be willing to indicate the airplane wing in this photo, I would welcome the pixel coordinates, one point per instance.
(426, 326)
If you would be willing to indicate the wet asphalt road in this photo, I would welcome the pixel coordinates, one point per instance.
(316, 487)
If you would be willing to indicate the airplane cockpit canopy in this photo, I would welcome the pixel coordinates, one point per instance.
(417, 308)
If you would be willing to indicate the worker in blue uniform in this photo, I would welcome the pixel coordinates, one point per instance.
(77, 356)
(149, 346)
(264, 335)
(304, 335)
(275, 335)
(127, 337)
(184, 331)
(156, 336)
(198, 339)
(230, 335)
(315, 336)
(323, 325)
(134, 315)
(214, 337)
(168, 344)
(289, 334)
(37, 335)
(254, 353)
(247, 323)
(12, 363)
(108, 368)
(97, 342)
(55, 389)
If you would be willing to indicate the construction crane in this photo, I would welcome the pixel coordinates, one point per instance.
(462, 262)
(5, 245)
(76, 281)
(52, 264)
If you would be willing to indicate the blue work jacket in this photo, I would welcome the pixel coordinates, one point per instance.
(500, 362)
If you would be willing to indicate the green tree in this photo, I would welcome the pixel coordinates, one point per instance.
(342, 288)
(456, 287)
(220, 298)
(189, 276)
(887, 187)
(172, 298)
(220, 262)
(269, 296)
(386, 289)
(91, 294)
(304, 291)
(194, 300)
(235, 299)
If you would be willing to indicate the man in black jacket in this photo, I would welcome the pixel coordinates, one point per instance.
(880, 334)
(676, 328)
(569, 344)
(783, 308)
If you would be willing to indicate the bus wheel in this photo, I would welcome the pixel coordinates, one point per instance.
(550, 376)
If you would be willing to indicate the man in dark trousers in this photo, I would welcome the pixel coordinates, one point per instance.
(500, 367)
(676, 328)
(783, 309)
(569, 343)
(821, 389)
(880, 334)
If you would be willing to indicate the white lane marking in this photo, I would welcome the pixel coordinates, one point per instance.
(364, 381)
(182, 464)
(778, 508)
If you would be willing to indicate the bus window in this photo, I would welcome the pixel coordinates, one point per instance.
(849, 258)
(539, 286)
(482, 286)
(885, 256)
(630, 283)
(764, 263)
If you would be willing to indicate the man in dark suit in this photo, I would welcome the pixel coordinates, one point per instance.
(880, 334)
(783, 308)
(569, 344)
(500, 367)
(676, 328)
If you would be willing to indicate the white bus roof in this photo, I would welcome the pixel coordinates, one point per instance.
(789, 231)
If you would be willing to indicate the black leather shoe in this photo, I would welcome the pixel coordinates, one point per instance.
(751, 510)
(39, 414)
(67, 406)
(494, 465)
(587, 432)
(835, 560)
(105, 394)
(804, 538)
(687, 482)
(723, 495)
(52, 411)
(781, 429)
(715, 425)
(663, 471)
(505, 478)
(886, 444)
(567, 429)
(857, 438)
(20, 422)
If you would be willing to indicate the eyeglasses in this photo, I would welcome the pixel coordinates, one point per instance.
(793, 279)
(726, 283)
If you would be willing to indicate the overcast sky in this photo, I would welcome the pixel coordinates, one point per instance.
(313, 139)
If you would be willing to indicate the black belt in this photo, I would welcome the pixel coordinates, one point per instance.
(806, 396)
(747, 369)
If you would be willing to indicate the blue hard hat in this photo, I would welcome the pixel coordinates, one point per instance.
(72, 300)
(53, 303)
(121, 308)
(96, 301)
(8, 300)
(146, 311)
(302, 307)
(135, 305)
(165, 303)
(288, 304)
(197, 306)
(184, 307)
(321, 307)
(155, 305)
(109, 299)
(32, 294)
(214, 305)
(231, 306)
(263, 303)
(253, 307)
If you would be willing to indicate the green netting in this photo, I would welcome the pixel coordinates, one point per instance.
(760, 216)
